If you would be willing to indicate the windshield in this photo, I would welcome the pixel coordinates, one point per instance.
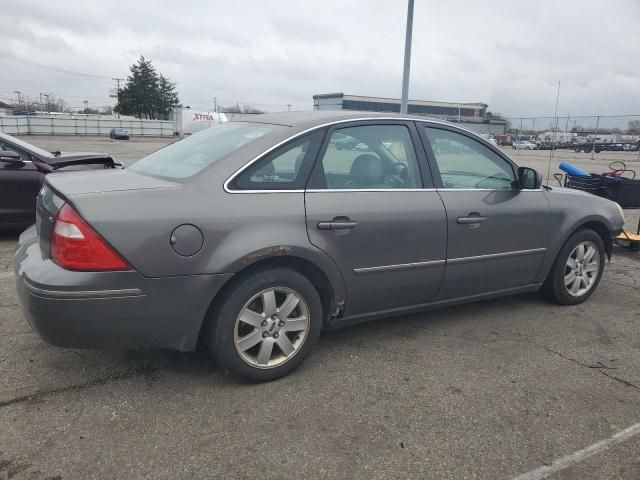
(191, 155)
(26, 146)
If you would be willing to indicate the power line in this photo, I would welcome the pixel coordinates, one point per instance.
(31, 63)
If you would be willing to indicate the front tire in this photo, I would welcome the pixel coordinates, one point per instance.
(266, 325)
(577, 270)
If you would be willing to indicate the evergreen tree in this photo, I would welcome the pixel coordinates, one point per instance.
(146, 94)
(167, 95)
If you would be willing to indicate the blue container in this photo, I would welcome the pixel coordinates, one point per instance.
(573, 170)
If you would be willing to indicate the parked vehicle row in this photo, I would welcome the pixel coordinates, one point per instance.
(252, 237)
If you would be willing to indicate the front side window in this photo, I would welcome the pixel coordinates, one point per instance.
(466, 163)
(371, 157)
(189, 156)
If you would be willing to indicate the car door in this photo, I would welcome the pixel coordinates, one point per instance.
(497, 233)
(372, 208)
(19, 185)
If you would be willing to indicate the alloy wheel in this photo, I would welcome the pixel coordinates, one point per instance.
(271, 327)
(582, 269)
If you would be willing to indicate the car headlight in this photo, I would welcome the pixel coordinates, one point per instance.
(621, 211)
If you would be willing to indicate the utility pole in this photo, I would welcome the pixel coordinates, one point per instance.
(40, 101)
(86, 106)
(407, 59)
(18, 92)
(47, 97)
(215, 104)
(118, 80)
(288, 106)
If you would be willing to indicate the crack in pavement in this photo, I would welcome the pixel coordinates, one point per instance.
(138, 372)
(621, 284)
(599, 368)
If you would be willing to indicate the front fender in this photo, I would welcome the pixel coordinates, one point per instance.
(572, 210)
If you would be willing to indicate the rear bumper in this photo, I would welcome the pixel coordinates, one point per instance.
(110, 309)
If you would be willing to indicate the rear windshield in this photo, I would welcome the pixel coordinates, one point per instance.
(191, 155)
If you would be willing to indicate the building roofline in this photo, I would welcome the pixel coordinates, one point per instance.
(345, 96)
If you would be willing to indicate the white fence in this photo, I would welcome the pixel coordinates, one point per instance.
(67, 125)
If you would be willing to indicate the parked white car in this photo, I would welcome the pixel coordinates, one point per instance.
(523, 145)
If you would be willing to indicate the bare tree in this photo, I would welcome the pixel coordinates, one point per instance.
(633, 127)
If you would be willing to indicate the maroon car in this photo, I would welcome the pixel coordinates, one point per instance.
(22, 170)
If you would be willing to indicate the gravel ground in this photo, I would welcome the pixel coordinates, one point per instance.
(482, 391)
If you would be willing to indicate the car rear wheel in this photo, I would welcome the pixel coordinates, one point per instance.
(266, 326)
(577, 269)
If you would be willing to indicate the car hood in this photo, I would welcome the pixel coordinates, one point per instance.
(100, 181)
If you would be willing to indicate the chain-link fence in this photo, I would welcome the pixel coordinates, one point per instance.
(589, 134)
(90, 125)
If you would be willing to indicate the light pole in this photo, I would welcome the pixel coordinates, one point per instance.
(18, 92)
(46, 95)
(86, 106)
(407, 59)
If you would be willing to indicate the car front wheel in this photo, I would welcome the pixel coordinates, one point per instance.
(577, 269)
(267, 324)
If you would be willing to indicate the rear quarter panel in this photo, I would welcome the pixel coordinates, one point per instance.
(238, 229)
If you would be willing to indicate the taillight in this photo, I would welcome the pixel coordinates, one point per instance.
(77, 246)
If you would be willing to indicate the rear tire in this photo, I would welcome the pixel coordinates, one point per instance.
(266, 325)
(577, 270)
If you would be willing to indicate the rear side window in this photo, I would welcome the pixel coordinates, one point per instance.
(189, 156)
(286, 168)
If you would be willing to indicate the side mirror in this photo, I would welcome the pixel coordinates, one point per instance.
(10, 157)
(528, 178)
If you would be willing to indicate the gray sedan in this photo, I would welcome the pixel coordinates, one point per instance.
(254, 236)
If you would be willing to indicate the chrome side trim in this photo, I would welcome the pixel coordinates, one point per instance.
(492, 256)
(335, 122)
(337, 190)
(82, 294)
(264, 191)
(398, 267)
(488, 190)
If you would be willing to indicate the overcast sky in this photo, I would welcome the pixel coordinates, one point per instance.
(508, 54)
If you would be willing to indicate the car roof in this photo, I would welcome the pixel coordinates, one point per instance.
(311, 118)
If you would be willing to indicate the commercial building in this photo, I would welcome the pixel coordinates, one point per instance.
(469, 115)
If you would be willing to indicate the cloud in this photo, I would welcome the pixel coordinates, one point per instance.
(277, 52)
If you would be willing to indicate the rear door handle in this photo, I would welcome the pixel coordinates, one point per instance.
(337, 225)
(471, 219)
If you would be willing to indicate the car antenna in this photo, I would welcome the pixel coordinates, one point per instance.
(553, 138)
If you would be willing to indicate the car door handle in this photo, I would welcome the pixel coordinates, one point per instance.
(337, 225)
(471, 220)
